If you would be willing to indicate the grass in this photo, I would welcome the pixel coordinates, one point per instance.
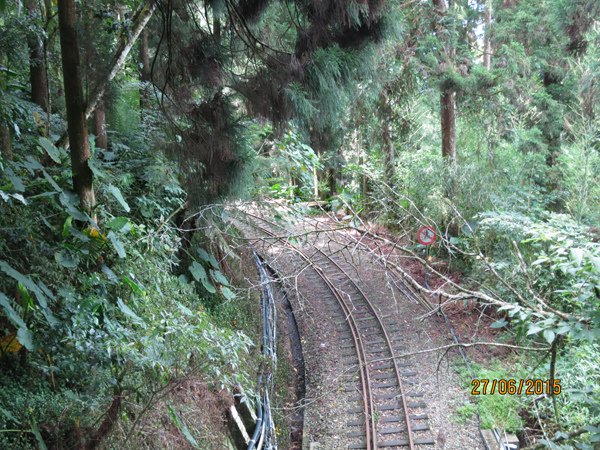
(495, 410)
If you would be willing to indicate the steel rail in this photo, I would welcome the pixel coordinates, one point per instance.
(370, 426)
(388, 341)
(354, 328)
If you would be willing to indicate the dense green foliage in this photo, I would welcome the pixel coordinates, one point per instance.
(101, 313)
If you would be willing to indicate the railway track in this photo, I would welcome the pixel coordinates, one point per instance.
(387, 415)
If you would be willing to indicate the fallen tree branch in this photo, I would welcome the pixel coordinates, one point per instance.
(473, 344)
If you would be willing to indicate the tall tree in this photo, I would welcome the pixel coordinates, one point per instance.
(140, 20)
(145, 75)
(5, 141)
(448, 91)
(5, 137)
(487, 38)
(385, 111)
(75, 103)
(37, 61)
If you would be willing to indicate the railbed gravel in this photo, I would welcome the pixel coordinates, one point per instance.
(328, 366)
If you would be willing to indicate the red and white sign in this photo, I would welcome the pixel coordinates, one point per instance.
(426, 235)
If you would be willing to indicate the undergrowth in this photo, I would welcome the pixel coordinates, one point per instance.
(101, 311)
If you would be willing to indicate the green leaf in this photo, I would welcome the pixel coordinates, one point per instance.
(185, 310)
(129, 312)
(27, 282)
(32, 164)
(23, 334)
(499, 323)
(563, 329)
(71, 203)
(109, 273)
(26, 299)
(10, 312)
(40, 290)
(198, 271)
(218, 276)
(8, 415)
(209, 286)
(25, 337)
(534, 328)
(206, 257)
(67, 226)
(38, 436)
(51, 181)
(51, 149)
(182, 427)
(549, 336)
(19, 197)
(227, 293)
(199, 274)
(95, 168)
(116, 192)
(135, 287)
(117, 244)
(118, 223)
(15, 180)
(79, 235)
(66, 259)
(577, 254)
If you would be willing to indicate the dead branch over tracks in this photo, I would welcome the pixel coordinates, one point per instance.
(384, 397)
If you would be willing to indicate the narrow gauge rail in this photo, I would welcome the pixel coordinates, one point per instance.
(378, 367)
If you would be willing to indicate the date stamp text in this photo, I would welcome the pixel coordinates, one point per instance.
(512, 386)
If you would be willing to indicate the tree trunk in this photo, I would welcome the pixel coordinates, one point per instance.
(5, 138)
(48, 10)
(109, 421)
(487, 39)
(448, 94)
(5, 142)
(386, 138)
(140, 21)
(332, 181)
(100, 126)
(37, 64)
(448, 122)
(144, 71)
(77, 129)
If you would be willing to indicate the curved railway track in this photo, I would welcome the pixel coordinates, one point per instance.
(389, 416)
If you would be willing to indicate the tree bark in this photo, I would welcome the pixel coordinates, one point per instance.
(448, 123)
(487, 39)
(107, 424)
(75, 103)
(144, 71)
(100, 126)
(448, 94)
(386, 137)
(38, 76)
(5, 141)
